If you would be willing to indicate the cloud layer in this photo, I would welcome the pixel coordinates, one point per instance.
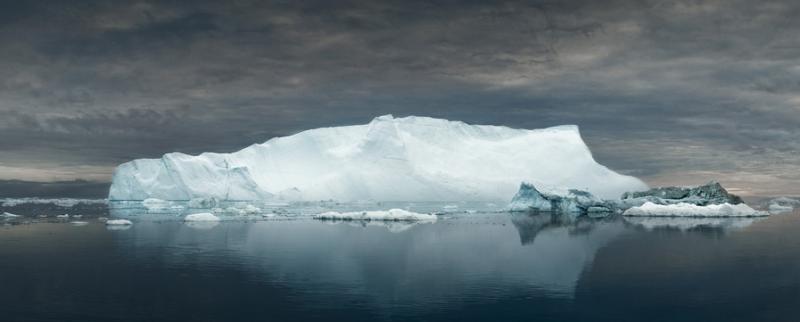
(670, 91)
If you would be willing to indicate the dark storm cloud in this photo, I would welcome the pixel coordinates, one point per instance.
(670, 91)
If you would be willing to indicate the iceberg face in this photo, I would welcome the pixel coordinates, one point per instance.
(389, 159)
(650, 209)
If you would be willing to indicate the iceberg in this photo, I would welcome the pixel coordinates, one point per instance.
(389, 159)
(9, 215)
(711, 193)
(529, 198)
(650, 209)
(118, 222)
(379, 215)
(204, 216)
(782, 204)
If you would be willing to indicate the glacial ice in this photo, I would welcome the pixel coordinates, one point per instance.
(782, 204)
(380, 215)
(650, 209)
(119, 222)
(711, 193)
(9, 215)
(530, 198)
(389, 159)
(203, 216)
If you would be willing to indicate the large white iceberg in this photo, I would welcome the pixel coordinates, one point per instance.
(650, 209)
(389, 159)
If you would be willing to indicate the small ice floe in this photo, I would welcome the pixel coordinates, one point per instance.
(202, 221)
(650, 209)
(10, 215)
(450, 208)
(63, 216)
(383, 215)
(79, 223)
(118, 222)
(203, 216)
(77, 216)
(782, 205)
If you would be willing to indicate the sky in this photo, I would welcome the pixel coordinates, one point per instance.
(673, 92)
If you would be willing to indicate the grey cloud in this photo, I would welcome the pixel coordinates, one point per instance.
(659, 88)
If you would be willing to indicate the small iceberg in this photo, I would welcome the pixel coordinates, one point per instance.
(202, 221)
(203, 216)
(381, 215)
(558, 200)
(79, 223)
(782, 205)
(10, 215)
(118, 222)
(711, 193)
(650, 209)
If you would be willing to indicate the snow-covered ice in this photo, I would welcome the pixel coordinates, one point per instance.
(118, 222)
(203, 216)
(650, 209)
(389, 159)
(387, 215)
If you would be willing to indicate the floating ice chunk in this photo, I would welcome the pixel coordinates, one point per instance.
(711, 193)
(776, 208)
(203, 216)
(782, 204)
(250, 209)
(384, 215)
(10, 215)
(650, 209)
(63, 216)
(79, 223)
(118, 222)
(530, 198)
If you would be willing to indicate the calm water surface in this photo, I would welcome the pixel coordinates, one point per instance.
(465, 267)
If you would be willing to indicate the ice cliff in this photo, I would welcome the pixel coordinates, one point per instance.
(389, 159)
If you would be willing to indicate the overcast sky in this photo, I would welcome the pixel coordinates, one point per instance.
(674, 92)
